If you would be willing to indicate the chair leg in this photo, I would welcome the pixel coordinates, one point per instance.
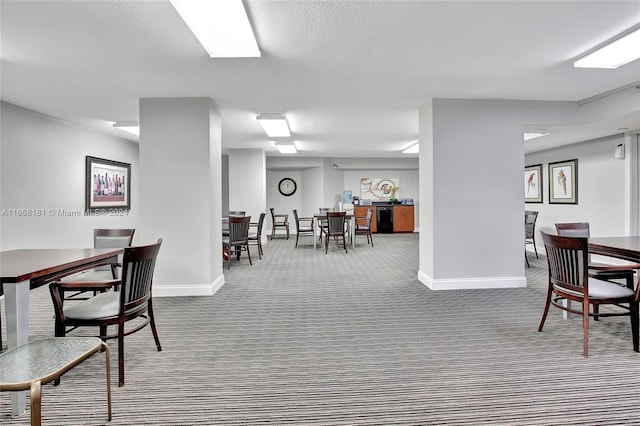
(535, 248)
(585, 328)
(297, 236)
(635, 329)
(107, 358)
(526, 258)
(121, 355)
(546, 309)
(248, 253)
(152, 321)
(36, 403)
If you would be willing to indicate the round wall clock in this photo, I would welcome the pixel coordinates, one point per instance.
(287, 186)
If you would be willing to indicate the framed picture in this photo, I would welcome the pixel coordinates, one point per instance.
(563, 182)
(108, 184)
(533, 184)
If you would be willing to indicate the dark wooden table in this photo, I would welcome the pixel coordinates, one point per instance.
(627, 248)
(23, 270)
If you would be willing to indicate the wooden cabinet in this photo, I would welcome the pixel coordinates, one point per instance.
(361, 211)
(403, 220)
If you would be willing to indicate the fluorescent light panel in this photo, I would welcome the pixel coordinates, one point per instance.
(128, 126)
(533, 135)
(221, 26)
(615, 54)
(275, 125)
(286, 147)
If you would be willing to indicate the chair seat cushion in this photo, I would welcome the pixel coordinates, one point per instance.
(599, 289)
(104, 305)
(305, 228)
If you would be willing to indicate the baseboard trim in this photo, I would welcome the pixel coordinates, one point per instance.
(471, 283)
(188, 289)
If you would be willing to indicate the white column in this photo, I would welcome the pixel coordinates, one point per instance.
(180, 193)
(247, 182)
(472, 201)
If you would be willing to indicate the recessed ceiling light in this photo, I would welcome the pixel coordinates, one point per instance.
(274, 124)
(533, 135)
(128, 126)
(221, 27)
(614, 54)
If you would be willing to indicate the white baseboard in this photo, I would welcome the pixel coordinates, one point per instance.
(188, 289)
(471, 283)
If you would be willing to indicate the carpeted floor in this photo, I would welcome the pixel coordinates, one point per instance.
(305, 338)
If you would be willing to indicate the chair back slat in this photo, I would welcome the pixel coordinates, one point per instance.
(530, 218)
(239, 229)
(567, 258)
(137, 275)
(336, 222)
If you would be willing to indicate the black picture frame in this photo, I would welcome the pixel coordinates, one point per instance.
(533, 184)
(563, 182)
(107, 184)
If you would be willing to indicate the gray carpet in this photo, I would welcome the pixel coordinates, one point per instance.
(305, 338)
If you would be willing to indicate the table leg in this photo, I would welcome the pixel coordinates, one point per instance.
(567, 304)
(16, 299)
(316, 225)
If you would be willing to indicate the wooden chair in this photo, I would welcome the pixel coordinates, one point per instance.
(304, 226)
(279, 221)
(322, 223)
(102, 238)
(363, 226)
(255, 234)
(582, 229)
(569, 279)
(530, 218)
(45, 360)
(336, 227)
(238, 239)
(133, 300)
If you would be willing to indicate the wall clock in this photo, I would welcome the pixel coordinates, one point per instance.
(287, 186)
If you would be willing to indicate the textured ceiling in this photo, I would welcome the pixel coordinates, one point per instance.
(350, 75)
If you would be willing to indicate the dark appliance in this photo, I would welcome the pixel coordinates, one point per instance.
(385, 219)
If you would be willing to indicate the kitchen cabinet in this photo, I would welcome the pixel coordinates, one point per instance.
(403, 219)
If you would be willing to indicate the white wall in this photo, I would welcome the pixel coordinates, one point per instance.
(283, 204)
(43, 168)
(321, 186)
(601, 189)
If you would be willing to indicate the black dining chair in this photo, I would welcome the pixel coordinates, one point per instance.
(569, 280)
(530, 218)
(238, 239)
(336, 227)
(255, 234)
(279, 221)
(304, 226)
(133, 300)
